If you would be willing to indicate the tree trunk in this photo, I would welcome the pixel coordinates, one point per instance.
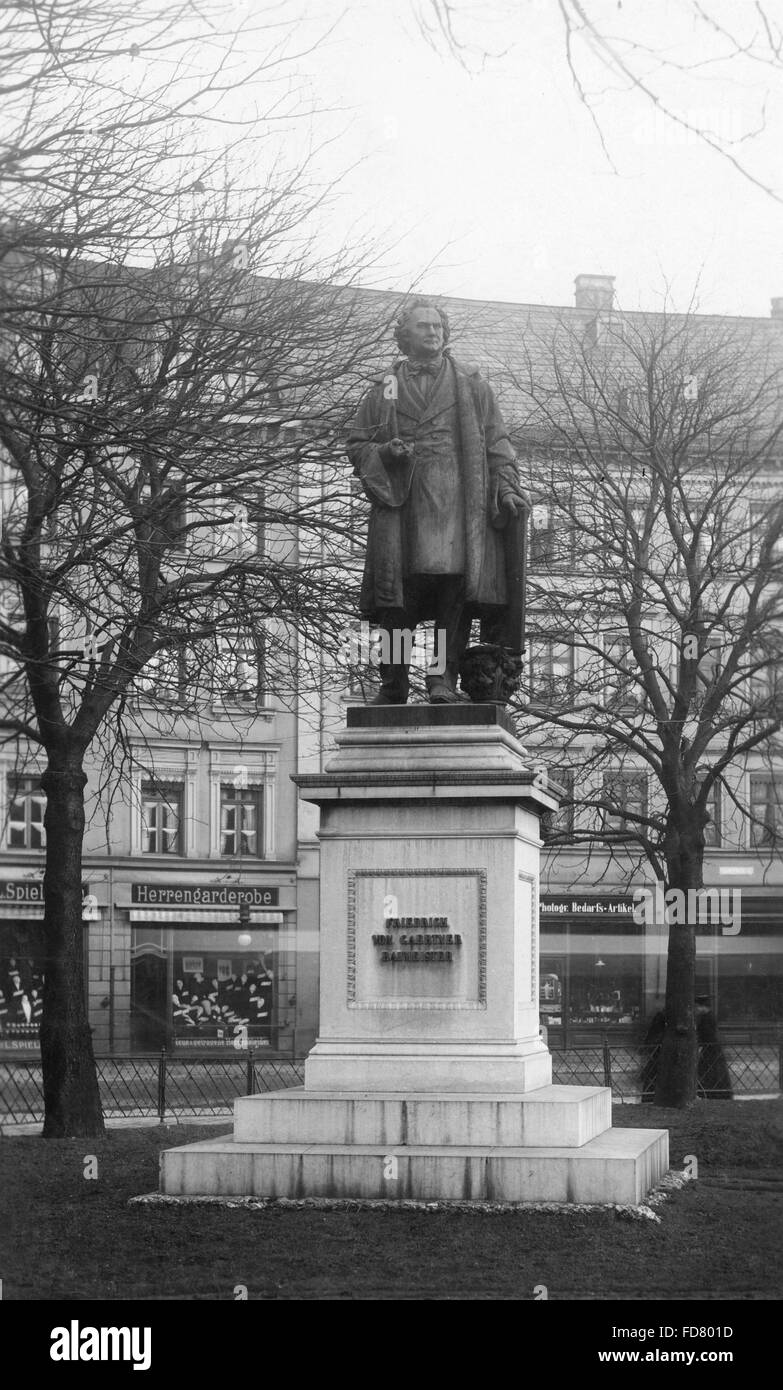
(677, 1069)
(72, 1105)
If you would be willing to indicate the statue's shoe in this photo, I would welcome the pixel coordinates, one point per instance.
(441, 693)
(381, 699)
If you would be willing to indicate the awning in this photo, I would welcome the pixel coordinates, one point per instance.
(210, 916)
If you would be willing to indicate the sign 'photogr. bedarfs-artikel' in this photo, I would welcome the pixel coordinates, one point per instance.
(416, 940)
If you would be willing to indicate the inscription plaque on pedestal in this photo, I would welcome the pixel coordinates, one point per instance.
(417, 939)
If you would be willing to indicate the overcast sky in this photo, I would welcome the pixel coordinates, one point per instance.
(490, 182)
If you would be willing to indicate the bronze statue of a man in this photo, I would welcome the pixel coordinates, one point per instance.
(432, 452)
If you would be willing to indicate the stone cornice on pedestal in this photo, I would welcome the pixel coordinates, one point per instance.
(428, 752)
(428, 717)
(441, 786)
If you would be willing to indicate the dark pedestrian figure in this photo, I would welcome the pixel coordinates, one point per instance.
(652, 1041)
(713, 1076)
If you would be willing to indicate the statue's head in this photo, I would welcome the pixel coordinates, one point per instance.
(412, 329)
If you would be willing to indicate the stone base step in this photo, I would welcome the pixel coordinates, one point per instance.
(555, 1116)
(619, 1166)
(463, 1068)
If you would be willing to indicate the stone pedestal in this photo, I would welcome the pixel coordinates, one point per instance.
(429, 871)
(428, 1078)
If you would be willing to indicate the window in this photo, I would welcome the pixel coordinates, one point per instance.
(766, 827)
(239, 667)
(560, 824)
(26, 806)
(552, 538)
(712, 550)
(636, 519)
(162, 676)
(633, 406)
(161, 812)
(623, 694)
(236, 522)
(764, 518)
(626, 795)
(766, 685)
(241, 820)
(167, 525)
(363, 682)
(712, 830)
(551, 671)
(604, 988)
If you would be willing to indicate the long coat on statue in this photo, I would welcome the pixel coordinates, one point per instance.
(393, 407)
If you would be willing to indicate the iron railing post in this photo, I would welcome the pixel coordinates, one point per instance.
(607, 1065)
(250, 1074)
(162, 1085)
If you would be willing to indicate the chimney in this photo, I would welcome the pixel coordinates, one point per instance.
(594, 291)
(776, 308)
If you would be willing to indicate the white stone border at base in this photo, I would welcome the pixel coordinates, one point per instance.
(671, 1182)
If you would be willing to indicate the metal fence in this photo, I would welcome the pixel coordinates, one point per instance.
(175, 1087)
(156, 1084)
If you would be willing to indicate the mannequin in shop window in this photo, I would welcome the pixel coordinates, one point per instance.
(180, 1010)
(255, 1005)
(199, 987)
(17, 992)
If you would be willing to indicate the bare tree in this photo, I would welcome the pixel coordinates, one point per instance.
(615, 50)
(164, 331)
(653, 446)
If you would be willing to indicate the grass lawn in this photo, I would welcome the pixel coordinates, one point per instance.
(63, 1236)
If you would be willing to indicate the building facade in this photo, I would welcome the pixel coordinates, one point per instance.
(201, 915)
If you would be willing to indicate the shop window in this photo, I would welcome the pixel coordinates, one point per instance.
(766, 809)
(26, 807)
(551, 995)
(241, 821)
(626, 796)
(22, 976)
(604, 988)
(162, 818)
(750, 988)
(220, 996)
(198, 988)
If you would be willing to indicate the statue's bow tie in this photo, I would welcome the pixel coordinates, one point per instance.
(424, 368)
